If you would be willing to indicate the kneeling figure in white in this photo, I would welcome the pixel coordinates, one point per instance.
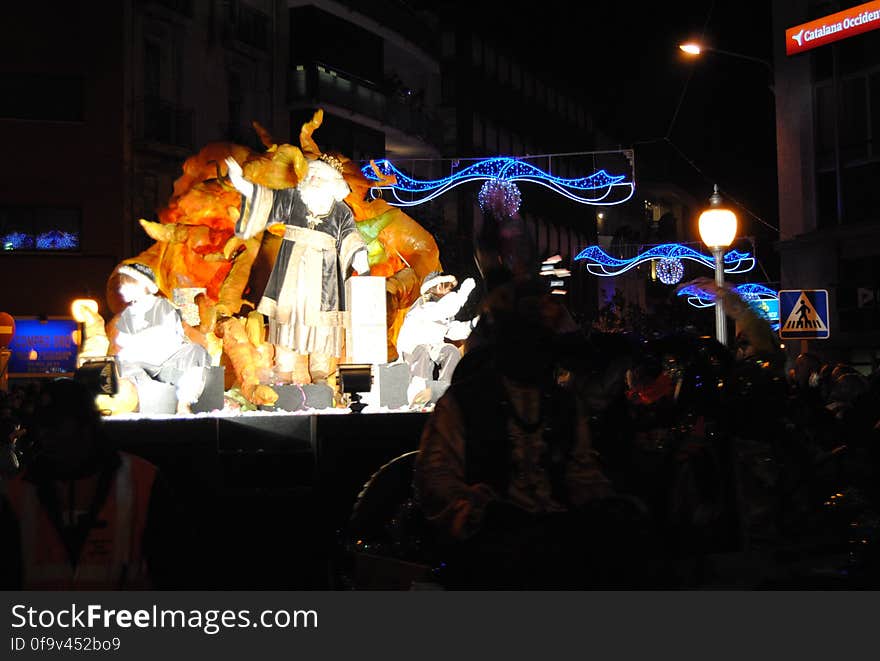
(430, 326)
(152, 344)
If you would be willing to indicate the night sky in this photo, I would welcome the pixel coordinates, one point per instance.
(624, 58)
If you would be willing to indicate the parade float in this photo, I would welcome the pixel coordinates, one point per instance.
(216, 277)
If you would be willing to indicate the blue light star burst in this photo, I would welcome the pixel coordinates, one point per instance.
(670, 271)
(502, 197)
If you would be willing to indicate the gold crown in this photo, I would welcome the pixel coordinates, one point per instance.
(332, 161)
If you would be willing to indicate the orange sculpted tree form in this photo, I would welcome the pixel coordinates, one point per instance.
(196, 247)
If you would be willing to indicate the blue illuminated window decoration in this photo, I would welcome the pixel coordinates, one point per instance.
(57, 240)
(601, 263)
(600, 188)
(18, 241)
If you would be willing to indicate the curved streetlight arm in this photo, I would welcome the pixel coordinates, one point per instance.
(751, 58)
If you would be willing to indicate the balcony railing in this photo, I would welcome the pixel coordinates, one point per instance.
(318, 83)
(418, 27)
(162, 122)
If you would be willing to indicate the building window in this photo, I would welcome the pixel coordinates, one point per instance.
(861, 196)
(477, 50)
(183, 7)
(491, 138)
(478, 131)
(515, 76)
(516, 146)
(234, 105)
(39, 228)
(447, 44)
(152, 69)
(490, 61)
(857, 105)
(447, 89)
(251, 27)
(163, 122)
(503, 69)
(874, 111)
(503, 142)
(41, 97)
(854, 118)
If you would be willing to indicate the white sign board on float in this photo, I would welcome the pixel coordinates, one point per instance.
(366, 334)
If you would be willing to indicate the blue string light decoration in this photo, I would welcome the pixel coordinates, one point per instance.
(57, 240)
(18, 241)
(700, 298)
(600, 188)
(763, 299)
(670, 271)
(601, 263)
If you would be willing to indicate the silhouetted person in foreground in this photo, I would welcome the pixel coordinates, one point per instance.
(81, 515)
(506, 473)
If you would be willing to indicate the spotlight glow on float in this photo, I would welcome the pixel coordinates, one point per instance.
(599, 188)
(601, 263)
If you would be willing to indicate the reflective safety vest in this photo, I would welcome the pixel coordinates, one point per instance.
(111, 558)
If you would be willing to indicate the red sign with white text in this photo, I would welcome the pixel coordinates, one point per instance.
(833, 27)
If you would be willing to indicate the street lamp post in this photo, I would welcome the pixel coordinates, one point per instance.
(693, 48)
(717, 230)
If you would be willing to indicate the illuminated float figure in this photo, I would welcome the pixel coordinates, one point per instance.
(151, 342)
(425, 339)
(320, 247)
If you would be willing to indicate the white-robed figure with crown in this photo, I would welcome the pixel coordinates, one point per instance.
(304, 299)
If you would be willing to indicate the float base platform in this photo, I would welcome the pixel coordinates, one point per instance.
(266, 494)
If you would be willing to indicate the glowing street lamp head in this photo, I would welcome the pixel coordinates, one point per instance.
(717, 224)
(691, 48)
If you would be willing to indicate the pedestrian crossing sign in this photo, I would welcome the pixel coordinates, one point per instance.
(803, 314)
